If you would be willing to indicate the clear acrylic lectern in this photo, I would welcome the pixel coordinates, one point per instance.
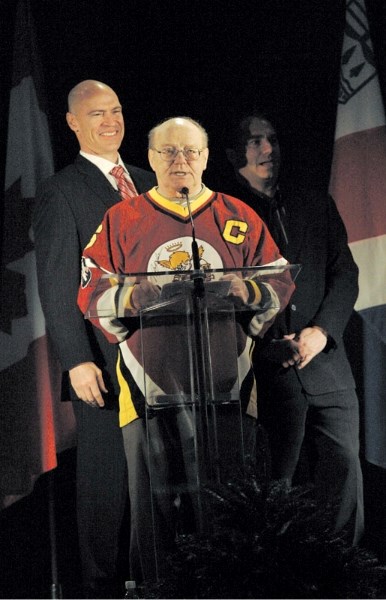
(193, 340)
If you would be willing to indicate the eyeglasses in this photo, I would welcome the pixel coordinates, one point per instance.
(169, 153)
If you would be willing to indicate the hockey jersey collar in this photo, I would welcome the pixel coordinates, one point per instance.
(173, 207)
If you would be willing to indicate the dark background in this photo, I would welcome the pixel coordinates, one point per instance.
(207, 59)
(210, 60)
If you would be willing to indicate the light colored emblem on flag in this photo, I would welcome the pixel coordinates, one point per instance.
(357, 61)
(360, 102)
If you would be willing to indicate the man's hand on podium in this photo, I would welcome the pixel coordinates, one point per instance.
(238, 287)
(144, 293)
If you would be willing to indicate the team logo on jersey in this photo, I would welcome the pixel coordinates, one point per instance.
(176, 255)
(86, 274)
(358, 63)
(181, 260)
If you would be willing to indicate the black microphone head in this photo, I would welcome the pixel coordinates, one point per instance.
(184, 191)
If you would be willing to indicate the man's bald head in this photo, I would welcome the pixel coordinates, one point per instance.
(84, 90)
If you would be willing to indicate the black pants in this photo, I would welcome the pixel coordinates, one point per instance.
(332, 424)
(101, 481)
(162, 445)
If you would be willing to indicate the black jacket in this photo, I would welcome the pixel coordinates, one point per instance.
(326, 288)
(69, 207)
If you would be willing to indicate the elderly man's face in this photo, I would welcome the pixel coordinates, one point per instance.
(181, 171)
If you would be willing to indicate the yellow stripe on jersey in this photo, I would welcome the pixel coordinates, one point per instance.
(256, 293)
(126, 300)
(127, 412)
(178, 209)
(94, 237)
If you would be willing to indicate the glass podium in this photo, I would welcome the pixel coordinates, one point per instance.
(194, 352)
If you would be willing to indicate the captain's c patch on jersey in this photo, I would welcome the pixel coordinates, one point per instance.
(234, 231)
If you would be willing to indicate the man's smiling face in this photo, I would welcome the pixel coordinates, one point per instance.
(97, 120)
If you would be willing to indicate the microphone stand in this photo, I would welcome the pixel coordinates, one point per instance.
(202, 358)
(198, 275)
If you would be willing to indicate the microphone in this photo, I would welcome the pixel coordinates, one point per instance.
(196, 258)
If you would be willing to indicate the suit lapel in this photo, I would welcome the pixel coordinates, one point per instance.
(97, 182)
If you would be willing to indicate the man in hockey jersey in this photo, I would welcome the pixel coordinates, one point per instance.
(153, 233)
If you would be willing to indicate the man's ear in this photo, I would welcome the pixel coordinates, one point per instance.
(231, 155)
(72, 121)
(206, 154)
(150, 157)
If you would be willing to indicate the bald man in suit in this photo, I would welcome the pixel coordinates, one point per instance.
(69, 207)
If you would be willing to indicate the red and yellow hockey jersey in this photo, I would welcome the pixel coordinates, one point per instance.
(151, 234)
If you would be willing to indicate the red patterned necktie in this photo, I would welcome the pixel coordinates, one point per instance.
(126, 187)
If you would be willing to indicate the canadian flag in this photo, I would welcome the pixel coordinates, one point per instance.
(34, 424)
(358, 184)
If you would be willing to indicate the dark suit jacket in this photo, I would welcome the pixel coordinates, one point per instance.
(69, 207)
(326, 288)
